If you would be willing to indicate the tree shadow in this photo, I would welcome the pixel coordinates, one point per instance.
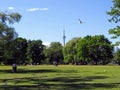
(58, 83)
(22, 71)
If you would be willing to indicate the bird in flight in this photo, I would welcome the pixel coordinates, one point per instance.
(81, 22)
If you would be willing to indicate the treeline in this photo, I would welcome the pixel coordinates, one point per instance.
(80, 51)
(88, 50)
(22, 51)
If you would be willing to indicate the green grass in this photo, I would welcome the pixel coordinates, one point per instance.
(62, 77)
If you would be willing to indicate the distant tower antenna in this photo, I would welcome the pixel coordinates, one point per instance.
(64, 37)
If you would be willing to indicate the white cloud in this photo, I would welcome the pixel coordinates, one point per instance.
(11, 8)
(43, 9)
(32, 9)
(37, 9)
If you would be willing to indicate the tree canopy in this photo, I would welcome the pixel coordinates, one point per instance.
(90, 49)
(35, 51)
(7, 32)
(70, 51)
(54, 53)
(115, 17)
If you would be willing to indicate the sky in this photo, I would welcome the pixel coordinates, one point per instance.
(46, 19)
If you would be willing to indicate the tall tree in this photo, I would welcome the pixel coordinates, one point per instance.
(83, 50)
(7, 32)
(70, 51)
(54, 53)
(115, 17)
(19, 50)
(35, 51)
(117, 56)
(100, 49)
(90, 49)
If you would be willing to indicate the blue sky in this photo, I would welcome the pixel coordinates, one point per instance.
(46, 19)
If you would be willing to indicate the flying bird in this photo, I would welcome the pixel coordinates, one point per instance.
(81, 22)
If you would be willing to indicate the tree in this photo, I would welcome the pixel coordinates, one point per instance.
(115, 17)
(7, 32)
(83, 50)
(99, 49)
(54, 53)
(35, 51)
(70, 51)
(90, 49)
(19, 50)
(117, 56)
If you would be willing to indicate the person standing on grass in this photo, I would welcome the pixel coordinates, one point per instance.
(14, 67)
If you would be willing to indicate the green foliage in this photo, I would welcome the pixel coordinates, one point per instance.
(115, 17)
(70, 51)
(54, 53)
(90, 49)
(10, 18)
(83, 51)
(117, 56)
(35, 51)
(19, 49)
(100, 49)
(7, 33)
(115, 31)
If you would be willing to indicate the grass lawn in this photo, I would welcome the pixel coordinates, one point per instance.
(62, 77)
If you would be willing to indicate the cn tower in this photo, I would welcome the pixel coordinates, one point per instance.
(64, 37)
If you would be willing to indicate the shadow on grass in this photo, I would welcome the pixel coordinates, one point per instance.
(82, 86)
(58, 83)
(22, 71)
